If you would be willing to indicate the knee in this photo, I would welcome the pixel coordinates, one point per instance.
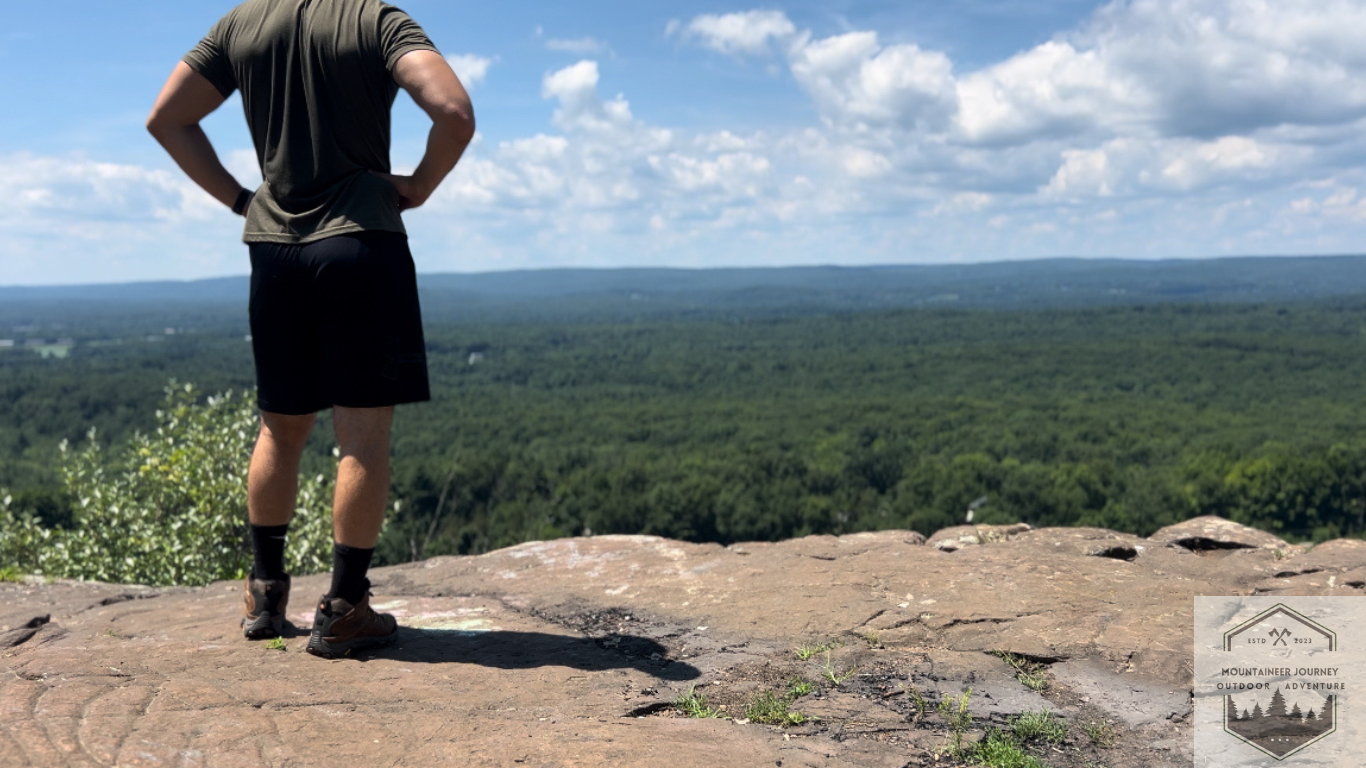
(287, 432)
(363, 433)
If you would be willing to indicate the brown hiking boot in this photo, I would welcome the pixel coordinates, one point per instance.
(340, 628)
(263, 609)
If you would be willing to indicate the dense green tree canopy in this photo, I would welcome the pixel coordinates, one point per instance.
(734, 426)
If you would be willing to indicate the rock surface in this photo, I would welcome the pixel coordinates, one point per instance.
(571, 652)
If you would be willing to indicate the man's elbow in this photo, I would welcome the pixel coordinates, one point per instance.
(458, 116)
(158, 126)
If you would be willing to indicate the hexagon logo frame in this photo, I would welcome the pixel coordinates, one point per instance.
(1273, 729)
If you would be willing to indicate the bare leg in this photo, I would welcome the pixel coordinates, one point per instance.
(363, 477)
(273, 480)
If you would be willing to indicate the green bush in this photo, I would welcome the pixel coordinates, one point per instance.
(165, 508)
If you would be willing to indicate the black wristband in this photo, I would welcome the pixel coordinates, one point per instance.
(243, 200)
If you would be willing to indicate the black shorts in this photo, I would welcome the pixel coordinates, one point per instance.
(336, 322)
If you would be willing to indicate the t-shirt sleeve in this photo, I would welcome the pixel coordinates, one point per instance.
(210, 59)
(399, 34)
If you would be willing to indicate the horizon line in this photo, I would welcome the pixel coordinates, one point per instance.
(672, 268)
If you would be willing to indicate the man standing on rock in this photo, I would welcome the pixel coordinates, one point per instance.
(334, 311)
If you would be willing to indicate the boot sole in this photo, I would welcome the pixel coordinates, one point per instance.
(322, 649)
(263, 627)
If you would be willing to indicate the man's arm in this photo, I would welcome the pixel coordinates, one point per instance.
(432, 83)
(186, 99)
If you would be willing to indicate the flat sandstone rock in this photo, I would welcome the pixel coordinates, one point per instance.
(572, 652)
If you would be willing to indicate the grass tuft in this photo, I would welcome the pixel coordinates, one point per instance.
(1100, 732)
(772, 709)
(276, 644)
(835, 677)
(694, 704)
(1030, 674)
(807, 651)
(1042, 725)
(1000, 750)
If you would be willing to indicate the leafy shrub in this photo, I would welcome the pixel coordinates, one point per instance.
(166, 508)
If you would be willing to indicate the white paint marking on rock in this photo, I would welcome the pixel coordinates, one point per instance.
(449, 623)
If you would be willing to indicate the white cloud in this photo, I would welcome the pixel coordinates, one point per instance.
(579, 46)
(470, 68)
(51, 187)
(576, 89)
(1230, 155)
(864, 163)
(854, 79)
(1076, 144)
(1156, 128)
(109, 222)
(1083, 172)
(1180, 68)
(734, 34)
(1051, 90)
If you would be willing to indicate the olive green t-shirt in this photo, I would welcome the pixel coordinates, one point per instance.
(317, 86)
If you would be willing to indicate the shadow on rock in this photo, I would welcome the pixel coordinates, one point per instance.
(524, 650)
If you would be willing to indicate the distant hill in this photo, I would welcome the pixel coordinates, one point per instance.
(618, 293)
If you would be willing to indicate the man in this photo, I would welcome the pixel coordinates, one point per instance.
(334, 312)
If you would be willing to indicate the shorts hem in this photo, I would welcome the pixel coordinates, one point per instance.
(294, 410)
(287, 410)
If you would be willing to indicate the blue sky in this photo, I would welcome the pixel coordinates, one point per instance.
(714, 134)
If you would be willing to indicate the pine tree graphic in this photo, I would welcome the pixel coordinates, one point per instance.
(1275, 730)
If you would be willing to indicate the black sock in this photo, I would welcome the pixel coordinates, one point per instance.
(268, 544)
(349, 565)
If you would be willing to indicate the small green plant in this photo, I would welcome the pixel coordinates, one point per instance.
(807, 651)
(835, 677)
(1042, 725)
(771, 709)
(1100, 732)
(873, 639)
(954, 710)
(276, 644)
(1030, 674)
(798, 687)
(918, 701)
(10, 573)
(1000, 750)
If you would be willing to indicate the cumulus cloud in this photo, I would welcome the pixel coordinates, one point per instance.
(44, 188)
(1207, 109)
(1154, 128)
(854, 79)
(109, 222)
(1053, 90)
(1083, 172)
(1198, 69)
(1146, 97)
(576, 89)
(746, 33)
(470, 68)
(1208, 68)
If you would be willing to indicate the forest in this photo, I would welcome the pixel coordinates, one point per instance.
(729, 426)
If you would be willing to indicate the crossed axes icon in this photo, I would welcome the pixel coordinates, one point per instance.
(1280, 635)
